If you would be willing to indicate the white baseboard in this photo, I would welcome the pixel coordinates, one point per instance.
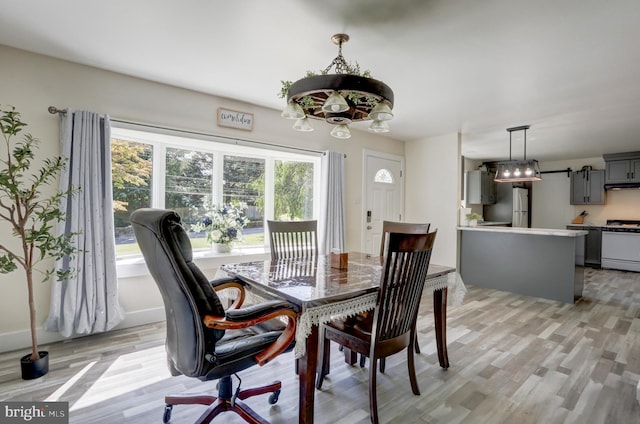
(22, 339)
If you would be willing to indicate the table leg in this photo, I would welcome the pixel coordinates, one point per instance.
(440, 319)
(307, 378)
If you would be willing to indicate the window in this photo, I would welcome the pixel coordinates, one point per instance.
(383, 176)
(243, 182)
(293, 190)
(131, 175)
(188, 183)
(186, 175)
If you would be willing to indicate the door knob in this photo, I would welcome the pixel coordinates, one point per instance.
(369, 227)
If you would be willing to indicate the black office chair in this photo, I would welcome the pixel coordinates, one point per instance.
(204, 340)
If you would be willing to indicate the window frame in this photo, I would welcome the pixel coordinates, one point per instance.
(218, 147)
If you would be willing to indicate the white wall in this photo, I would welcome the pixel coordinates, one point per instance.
(32, 82)
(551, 206)
(433, 185)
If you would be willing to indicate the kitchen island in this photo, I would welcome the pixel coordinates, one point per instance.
(531, 261)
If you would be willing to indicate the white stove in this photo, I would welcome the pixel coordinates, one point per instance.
(621, 245)
(622, 225)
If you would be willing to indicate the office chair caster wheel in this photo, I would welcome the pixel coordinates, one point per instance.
(274, 397)
(166, 417)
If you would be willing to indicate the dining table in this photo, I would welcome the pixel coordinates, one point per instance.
(322, 293)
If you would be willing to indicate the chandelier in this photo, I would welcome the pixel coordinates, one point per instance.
(512, 171)
(340, 98)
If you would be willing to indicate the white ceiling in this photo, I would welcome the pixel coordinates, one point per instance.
(569, 68)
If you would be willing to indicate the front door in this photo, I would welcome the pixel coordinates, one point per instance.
(383, 196)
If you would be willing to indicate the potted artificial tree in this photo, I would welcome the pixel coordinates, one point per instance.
(31, 216)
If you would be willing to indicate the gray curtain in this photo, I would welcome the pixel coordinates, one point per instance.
(332, 212)
(88, 302)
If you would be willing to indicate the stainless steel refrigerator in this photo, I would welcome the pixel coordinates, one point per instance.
(520, 215)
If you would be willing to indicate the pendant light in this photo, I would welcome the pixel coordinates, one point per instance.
(339, 98)
(513, 171)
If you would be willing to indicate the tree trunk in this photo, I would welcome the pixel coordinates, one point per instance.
(35, 355)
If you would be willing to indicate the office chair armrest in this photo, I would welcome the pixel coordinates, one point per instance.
(255, 315)
(227, 283)
(256, 311)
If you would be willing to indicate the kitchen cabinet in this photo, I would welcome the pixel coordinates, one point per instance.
(622, 168)
(587, 187)
(588, 251)
(481, 190)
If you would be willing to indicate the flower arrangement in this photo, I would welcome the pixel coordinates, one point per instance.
(223, 224)
(473, 219)
(473, 215)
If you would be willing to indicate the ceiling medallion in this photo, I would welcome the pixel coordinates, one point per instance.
(346, 96)
(513, 171)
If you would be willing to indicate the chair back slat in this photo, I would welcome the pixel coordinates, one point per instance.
(293, 239)
(400, 227)
(405, 272)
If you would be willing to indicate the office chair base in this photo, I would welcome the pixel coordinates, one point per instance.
(217, 405)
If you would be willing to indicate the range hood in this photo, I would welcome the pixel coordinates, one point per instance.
(622, 170)
(620, 186)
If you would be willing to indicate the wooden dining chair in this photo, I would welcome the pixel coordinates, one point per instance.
(388, 227)
(405, 228)
(293, 239)
(391, 327)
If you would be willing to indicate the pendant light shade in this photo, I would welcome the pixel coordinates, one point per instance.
(341, 131)
(381, 112)
(302, 124)
(518, 170)
(513, 171)
(379, 126)
(335, 104)
(292, 111)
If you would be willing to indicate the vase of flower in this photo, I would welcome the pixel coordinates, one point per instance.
(473, 218)
(221, 247)
(222, 225)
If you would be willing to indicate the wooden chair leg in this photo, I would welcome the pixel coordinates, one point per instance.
(350, 357)
(440, 320)
(373, 394)
(412, 371)
(324, 360)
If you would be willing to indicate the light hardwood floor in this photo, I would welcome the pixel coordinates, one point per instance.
(514, 359)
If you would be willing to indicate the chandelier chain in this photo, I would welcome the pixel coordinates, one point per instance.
(341, 65)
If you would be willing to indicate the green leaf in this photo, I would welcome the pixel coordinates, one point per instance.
(7, 264)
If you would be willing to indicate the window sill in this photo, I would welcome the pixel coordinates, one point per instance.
(134, 266)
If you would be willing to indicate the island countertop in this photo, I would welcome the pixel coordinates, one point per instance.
(531, 231)
(538, 262)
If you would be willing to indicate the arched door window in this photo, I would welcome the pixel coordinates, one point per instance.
(383, 176)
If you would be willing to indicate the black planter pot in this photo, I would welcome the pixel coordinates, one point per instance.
(34, 369)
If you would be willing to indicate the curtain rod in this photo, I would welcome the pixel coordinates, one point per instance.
(54, 110)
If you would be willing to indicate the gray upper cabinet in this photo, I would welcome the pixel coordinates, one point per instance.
(622, 168)
(481, 190)
(587, 187)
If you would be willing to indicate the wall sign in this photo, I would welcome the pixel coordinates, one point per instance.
(235, 119)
